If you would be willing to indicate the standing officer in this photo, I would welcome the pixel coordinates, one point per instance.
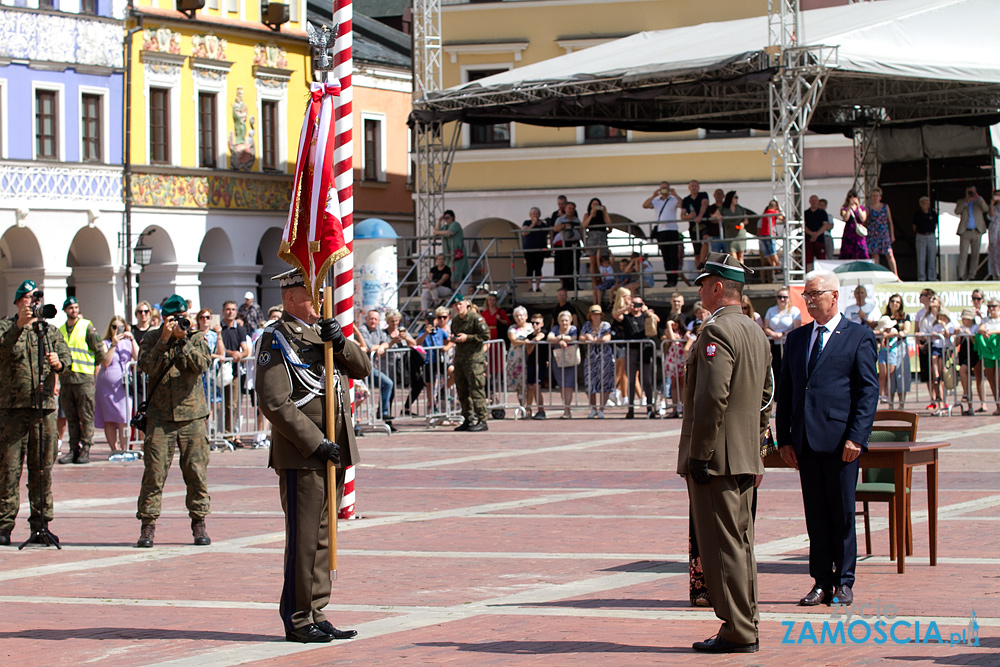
(726, 411)
(291, 394)
(19, 383)
(470, 332)
(76, 390)
(177, 410)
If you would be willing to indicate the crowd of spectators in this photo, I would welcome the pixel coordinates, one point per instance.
(723, 224)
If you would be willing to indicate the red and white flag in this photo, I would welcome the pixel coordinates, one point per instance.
(314, 234)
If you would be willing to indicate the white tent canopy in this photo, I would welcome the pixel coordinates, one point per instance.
(912, 61)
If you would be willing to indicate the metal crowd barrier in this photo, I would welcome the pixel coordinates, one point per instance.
(233, 415)
(422, 386)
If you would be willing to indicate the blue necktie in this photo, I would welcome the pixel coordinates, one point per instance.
(817, 348)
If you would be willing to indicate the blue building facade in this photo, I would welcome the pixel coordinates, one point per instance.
(61, 138)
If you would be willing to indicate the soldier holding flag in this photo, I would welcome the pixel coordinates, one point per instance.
(291, 389)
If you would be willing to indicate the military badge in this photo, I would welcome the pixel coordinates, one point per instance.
(264, 358)
(710, 350)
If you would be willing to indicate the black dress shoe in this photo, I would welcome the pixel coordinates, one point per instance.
(816, 596)
(630, 414)
(4, 537)
(479, 426)
(464, 426)
(327, 627)
(392, 429)
(308, 634)
(719, 645)
(843, 595)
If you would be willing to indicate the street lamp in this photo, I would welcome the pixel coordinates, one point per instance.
(142, 254)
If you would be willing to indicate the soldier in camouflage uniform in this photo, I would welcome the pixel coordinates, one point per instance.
(470, 331)
(177, 411)
(76, 392)
(19, 414)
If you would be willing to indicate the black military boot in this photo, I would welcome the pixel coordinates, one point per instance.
(480, 425)
(146, 536)
(200, 533)
(83, 456)
(5, 537)
(71, 456)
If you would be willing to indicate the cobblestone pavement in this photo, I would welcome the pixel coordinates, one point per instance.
(536, 543)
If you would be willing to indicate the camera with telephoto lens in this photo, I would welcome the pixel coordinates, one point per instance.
(182, 322)
(41, 311)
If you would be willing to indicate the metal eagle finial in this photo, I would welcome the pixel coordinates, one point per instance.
(322, 40)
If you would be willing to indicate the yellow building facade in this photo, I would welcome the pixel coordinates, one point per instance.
(499, 172)
(217, 104)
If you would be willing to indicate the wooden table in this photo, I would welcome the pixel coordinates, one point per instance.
(902, 457)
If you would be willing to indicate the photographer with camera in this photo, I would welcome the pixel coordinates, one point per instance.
(174, 357)
(76, 391)
(972, 212)
(26, 380)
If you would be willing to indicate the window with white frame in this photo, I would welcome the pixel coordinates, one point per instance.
(233, 6)
(210, 94)
(497, 135)
(162, 74)
(212, 4)
(272, 110)
(3, 118)
(48, 118)
(95, 129)
(373, 147)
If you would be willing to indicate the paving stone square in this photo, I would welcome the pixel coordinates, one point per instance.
(536, 543)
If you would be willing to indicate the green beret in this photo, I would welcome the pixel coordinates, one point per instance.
(70, 300)
(25, 287)
(173, 304)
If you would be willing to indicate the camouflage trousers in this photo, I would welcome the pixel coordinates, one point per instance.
(19, 442)
(470, 382)
(77, 403)
(158, 453)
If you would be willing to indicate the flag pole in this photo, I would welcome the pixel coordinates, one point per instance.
(331, 431)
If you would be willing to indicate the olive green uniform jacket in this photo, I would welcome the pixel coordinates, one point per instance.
(728, 382)
(180, 396)
(296, 432)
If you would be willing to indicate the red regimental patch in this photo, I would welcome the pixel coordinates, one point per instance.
(710, 350)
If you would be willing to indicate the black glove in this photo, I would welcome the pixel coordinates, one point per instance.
(328, 451)
(329, 330)
(698, 470)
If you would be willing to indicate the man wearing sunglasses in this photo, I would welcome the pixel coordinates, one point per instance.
(827, 396)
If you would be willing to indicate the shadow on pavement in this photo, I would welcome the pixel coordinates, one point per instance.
(544, 647)
(62, 634)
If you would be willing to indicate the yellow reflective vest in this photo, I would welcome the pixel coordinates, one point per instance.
(83, 358)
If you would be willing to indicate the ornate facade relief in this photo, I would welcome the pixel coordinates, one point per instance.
(61, 39)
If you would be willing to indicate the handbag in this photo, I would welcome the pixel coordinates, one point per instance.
(457, 254)
(225, 377)
(860, 229)
(567, 356)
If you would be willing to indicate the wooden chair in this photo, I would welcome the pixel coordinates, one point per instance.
(878, 484)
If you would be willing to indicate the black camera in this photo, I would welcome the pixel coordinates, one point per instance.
(183, 322)
(41, 311)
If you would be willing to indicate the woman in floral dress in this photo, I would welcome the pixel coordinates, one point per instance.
(518, 334)
(599, 366)
(881, 234)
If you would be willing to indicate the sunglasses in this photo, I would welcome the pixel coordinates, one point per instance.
(204, 317)
(636, 305)
(781, 297)
(977, 298)
(145, 311)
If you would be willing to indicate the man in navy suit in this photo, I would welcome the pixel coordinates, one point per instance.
(827, 398)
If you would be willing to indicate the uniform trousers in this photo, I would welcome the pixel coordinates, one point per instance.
(723, 523)
(306, 588)
(828, 485)
(470, 380)
(19, 442)
(158, 453)
(77, 404)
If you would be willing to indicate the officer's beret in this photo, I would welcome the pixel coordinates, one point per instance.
(724, 266)
(70, 300)
(25, 287)
(173, 304)
(290, 278)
